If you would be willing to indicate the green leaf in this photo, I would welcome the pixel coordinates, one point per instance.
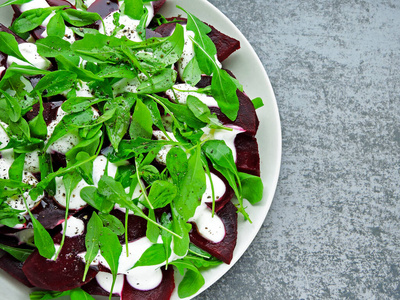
(190, 284)
(142, 122)
(154, 255)
(86, 169)
(79, 294)
(159, 82)
(42, 239)
(152, 231)
(257, 102)
(133, 9)
(79, 18)
(55, 83)
(92, 240)
(223, 89)
(78, 104)
(192, 187)
(37, 125)
(182, 228)
(162, 193)
(113, 223)
(90, 195)
(14, 2)
(13, 108)
(56, 26)
(9, 45)
(32, 18)
(252, 187)
(192, 72)
(118, 125)
(177, 164)
(170, 51)
(111, 249)
(64, 63)
(17, 167)
(20, 254)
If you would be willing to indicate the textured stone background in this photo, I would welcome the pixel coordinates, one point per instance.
(333, 230)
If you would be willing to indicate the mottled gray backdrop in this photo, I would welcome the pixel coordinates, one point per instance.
(333, 230)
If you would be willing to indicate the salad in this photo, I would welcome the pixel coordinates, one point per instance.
(123, 143)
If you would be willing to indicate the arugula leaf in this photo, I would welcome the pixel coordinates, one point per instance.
(18, 253)
(257, 102)
(133, 9)
(37, 125)
(55, 83)
(112, 222)
(154, 255)
(111, 249)
(17, 167)
(159, 82)
(13, 108)
(92, 240)
(252, 187)
(192, 186)
(192, 280)
(162, 193)
(65, 63)
(90, 195)
(142, 122)
(79, 18)
(56, 26)
(9, 46)
(14, 2)
(32, 18)
(42, 238)
(177, 164)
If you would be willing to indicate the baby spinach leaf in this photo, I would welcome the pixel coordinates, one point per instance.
(111, 249)
(152, 231)
(92, 240)
(55, 83)
(162, 193)
(142, 122)
(159, 82)
(17, 167)
(190, 284)
(191, 187)
(177, 164)
(252, 187)
(134, 9)
(112, 222)
(149, 173)
(14, 2)
(37, 125)
(12, 107)
(9, 45)
(79, 17)
(153, 255)
(20, 254)
(32, 18)
(56, 26)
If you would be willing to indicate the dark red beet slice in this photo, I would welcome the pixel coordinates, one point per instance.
(157, 5)
(220, 203)
(225, 44)
(104, 7)
(49, 213)
(248, 157)
(224, 249)
(14, 267)
(59, 3)
(136, 225)
(66, 272)
(5, 29)
(162, 292)
(49, 111)
(246, 118)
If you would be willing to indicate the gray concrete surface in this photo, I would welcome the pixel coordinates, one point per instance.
(333, 230)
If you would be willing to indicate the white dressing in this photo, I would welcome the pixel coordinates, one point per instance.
(162, 154)
(105, 280)
(34, 4)
(29, 51)
(75, 227)
(181, 97)
(75, 201)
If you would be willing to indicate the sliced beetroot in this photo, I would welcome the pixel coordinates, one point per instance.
(49, 111)
(137, 226)
(157, 5)
(59, 3)
(162, 292)
(246, 118)
(104, 7)
(248, 157)
(49, 213)
(221, 202)
(224, 249)
(225, 44)
(93, 288)
(67, 271)
(5, 29)
(14, 267)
